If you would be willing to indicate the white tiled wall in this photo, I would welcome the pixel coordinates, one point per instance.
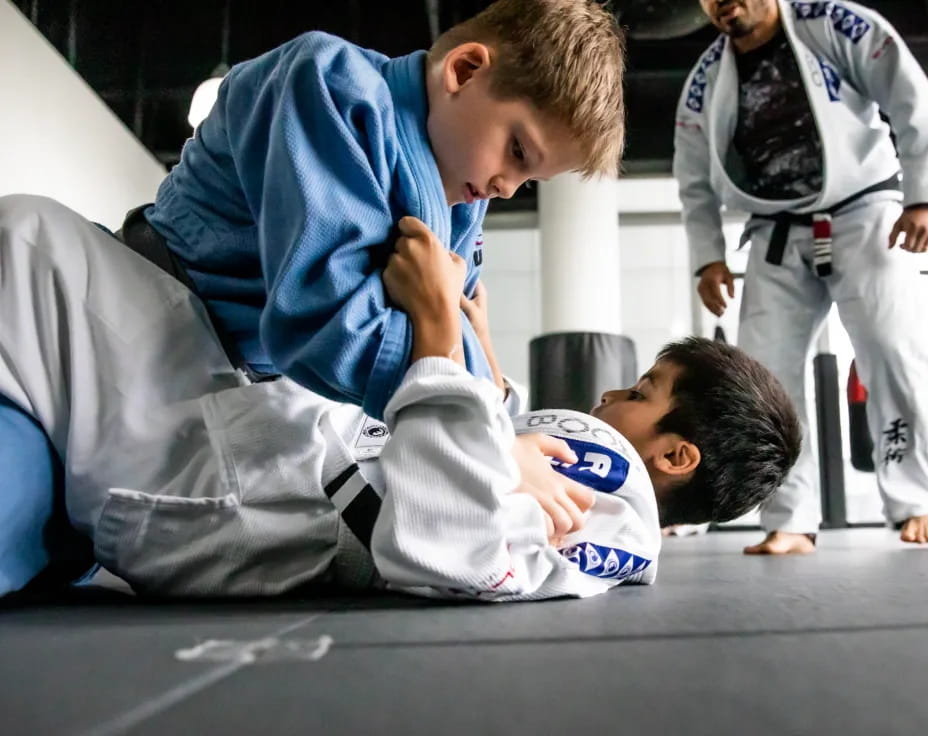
(512, 276)
(656, 284)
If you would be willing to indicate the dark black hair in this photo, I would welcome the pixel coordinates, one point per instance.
(741, 419)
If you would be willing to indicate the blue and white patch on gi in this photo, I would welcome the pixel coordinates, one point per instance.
(598, 467)
(601, 561)
(844, 20)
(697, 90)
(370, 439)
(832, 80)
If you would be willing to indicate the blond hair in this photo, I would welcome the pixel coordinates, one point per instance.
(565, 57)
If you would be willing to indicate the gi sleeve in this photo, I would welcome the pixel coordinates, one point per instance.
(880, 65)
(450, 524)
(311, 130)
(702, 217)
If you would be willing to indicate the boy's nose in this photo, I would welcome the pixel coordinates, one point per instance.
(504, 187)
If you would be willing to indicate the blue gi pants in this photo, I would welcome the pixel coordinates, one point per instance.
(27, 493)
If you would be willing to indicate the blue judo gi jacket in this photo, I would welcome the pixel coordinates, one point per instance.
(284, 205)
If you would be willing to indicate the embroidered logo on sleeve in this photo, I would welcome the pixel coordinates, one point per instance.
(598, 467)
(832, 80)
(370, 439)
(844, 20)
(601, 561)
(697, 90)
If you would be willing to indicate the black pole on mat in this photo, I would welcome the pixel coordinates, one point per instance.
(831, 457)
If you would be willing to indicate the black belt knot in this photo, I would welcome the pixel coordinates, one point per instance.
(783, 221)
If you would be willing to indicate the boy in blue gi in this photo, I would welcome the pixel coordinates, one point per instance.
(282, 210)
(286, 200)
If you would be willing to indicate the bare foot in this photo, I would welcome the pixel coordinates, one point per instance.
(915, 530)
(783, 543)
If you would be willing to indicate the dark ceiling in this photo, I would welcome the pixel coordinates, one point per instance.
(145, 58)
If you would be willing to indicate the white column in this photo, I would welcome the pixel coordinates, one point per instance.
(579, 233)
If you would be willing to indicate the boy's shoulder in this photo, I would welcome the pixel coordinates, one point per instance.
(335, 56)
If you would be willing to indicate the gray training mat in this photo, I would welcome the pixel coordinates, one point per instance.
(833, 643)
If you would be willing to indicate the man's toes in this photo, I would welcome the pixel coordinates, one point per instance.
(915, 530)
(783, 543)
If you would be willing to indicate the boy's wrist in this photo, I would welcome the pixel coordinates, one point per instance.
(438, 335)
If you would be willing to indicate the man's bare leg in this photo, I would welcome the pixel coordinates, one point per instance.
(915, 530)
(783, 543)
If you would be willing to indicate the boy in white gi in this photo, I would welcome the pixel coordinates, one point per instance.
(781, 117)
(282, 213)
(258, 488)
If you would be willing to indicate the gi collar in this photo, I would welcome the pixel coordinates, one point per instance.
(424, 194)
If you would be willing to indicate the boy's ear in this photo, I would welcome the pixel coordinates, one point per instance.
(462, 63)
(678, 458)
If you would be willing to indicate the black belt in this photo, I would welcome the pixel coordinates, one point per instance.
(820, 222)
(141, 237)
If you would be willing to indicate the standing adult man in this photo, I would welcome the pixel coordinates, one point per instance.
(781, 118)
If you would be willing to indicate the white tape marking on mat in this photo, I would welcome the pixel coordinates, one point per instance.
(270, 649)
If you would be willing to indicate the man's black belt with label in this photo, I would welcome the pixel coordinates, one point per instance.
(820, 222)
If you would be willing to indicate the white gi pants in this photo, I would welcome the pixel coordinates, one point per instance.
(89, 363)
(175, 466)
(883, 304)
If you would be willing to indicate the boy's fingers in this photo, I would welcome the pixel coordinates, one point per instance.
(559, 516)
(580, 495)
(468, 306)
(573, 512)
(403, 245)
(549, 526)
(413, 227)
(554, 447)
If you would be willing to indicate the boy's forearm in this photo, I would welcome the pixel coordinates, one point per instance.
(438, 334)
(484, 337)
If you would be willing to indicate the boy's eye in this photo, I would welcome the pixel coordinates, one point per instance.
(517, 151)
(634, 395)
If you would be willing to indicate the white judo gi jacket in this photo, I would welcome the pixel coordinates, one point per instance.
(853, 64)
(304, 492)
